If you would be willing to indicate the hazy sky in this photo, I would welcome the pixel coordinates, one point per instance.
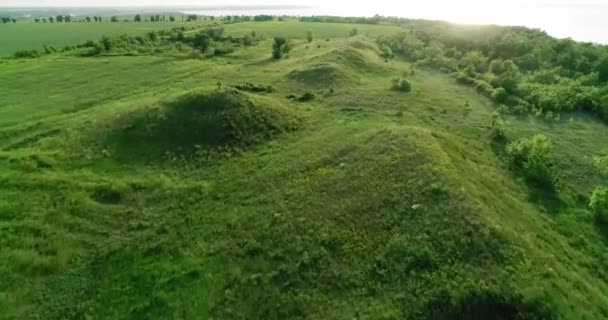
(405, 4)
(584, 20)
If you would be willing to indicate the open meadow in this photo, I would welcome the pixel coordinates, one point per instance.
(188, 174)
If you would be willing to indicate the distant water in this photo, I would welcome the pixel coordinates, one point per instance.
(580, 21)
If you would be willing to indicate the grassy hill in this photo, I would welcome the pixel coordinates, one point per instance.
(165, 186)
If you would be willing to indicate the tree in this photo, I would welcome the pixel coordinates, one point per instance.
(171, 18)
(51, 19)
(67, 18)
(280, 47)
(202, 41)
(14, 20)
(59, 18)
(599, 204)
(88, 19)
(603, 70)
(43, 20)
(533, 157)
(37, 20)
(137, 18)
(114, 19)
(500, 95)
(157, 18)
(309, 36)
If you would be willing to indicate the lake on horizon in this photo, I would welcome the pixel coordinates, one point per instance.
(581, 22)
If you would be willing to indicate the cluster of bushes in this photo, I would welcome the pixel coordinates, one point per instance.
(24, 54)
(402, 84)
(257, 88)
(599, 204)
(209, 41)
(263, 17)
(7, 20)
(330, 19)
(533, 156)
(525, 69)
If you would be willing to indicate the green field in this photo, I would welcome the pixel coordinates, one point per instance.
(34, 36)
(145, 186)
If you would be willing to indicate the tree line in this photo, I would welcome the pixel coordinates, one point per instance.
(8, 20)
(525, 70)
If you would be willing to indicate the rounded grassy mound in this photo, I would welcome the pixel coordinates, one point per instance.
(319, 75)
(209, 120)
(345, 63)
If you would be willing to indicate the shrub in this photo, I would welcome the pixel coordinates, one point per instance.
(500, 95)
(309, 36)
(354, 32)
(387, 52)
(601, 164)
(498, 127)
(308, 96)
(533, 157)
(202, 41)
(27, 54)
(280, 47)
(599, 204)
(402, 84)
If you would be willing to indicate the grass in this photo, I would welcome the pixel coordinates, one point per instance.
(34, 36)
(364, 202)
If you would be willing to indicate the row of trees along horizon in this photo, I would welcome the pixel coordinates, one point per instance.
(141, 18)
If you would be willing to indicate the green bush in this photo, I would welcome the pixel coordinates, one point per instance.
(599, 204)
(534, 157)
(309, 36)
(500, 95)
(601, 164)
(280, 47)
(498, 127)
(402, 84)
(27, 54)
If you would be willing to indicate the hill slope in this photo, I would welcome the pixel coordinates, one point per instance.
(363, 202)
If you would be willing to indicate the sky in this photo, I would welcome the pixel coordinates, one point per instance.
(583, 20)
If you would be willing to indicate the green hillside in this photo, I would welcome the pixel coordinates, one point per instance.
(143, 179)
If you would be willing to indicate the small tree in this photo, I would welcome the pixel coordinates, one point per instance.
(88, 19)
(59, 18)
(114, 19)
(202, 41)
(500, 95)
(171, 18)
(402, 84)
(354, 32)
(599, 204)
(603, 70)
(601, 164)
(309, 36)
(533, 157)
(137, 18)
(280, 47)
(498, 127)
(51, 19)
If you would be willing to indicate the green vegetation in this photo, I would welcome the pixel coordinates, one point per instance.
(402, 84)
(280, 47)
(525, 69)
(599, 204)
(148, 176)
(34, 36)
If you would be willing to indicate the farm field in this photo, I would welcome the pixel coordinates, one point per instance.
(142, 179)
(34, 36)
